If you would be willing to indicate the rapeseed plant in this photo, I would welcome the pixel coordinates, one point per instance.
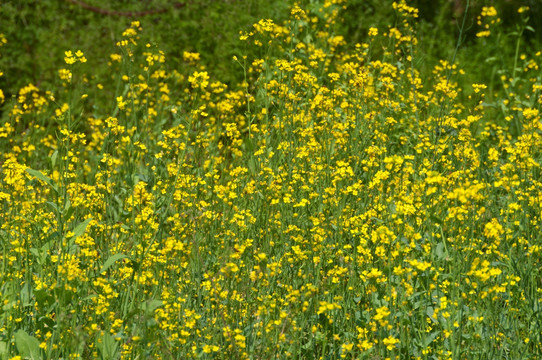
(333, 205)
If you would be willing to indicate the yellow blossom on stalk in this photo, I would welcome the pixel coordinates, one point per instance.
(207, 349)
(240, 340)
(486, 19)
(191, 56)
(135, 26)
(80, 56)
(199, 80)
(65, 75)
(243, 36)
(298, 13)
(478, 87)
(69, 58)
(264, 25)
(333, 76)
(129, 32)
(493, 229)
(115, 57)
(381, 314)
(336, 41)
(121, 103)
(390, 342)
(326, 306)
(404, 9)
(530, 113)
(489, 11)
(373, 31)
(420, 265)
(64, 108)
(345, 348)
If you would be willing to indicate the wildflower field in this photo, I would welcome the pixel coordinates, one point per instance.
(341, 201)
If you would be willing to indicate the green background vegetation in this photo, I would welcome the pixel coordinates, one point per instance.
(39, 32)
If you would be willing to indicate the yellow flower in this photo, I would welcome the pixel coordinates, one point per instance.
(65, 74)
(390, 342)
(121, 103)
(69, 58)
(192, 57)
(199, 79)
(81, 57)
(484, 33)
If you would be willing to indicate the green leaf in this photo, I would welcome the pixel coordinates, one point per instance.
(26, 294)
(38, 175)
(53, 205)
(436, 219)
(440, 251)
(80, 229)
(53, 158)
(429, 339)
(309, 345)
(431, 313)
(3, 348)
(107, 347)
(111, 261)
(151, 305)
(491, 59)
(68, 210)
(27, 345)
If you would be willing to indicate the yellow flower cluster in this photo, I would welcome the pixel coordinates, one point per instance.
(71, 58)
(487, 19)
